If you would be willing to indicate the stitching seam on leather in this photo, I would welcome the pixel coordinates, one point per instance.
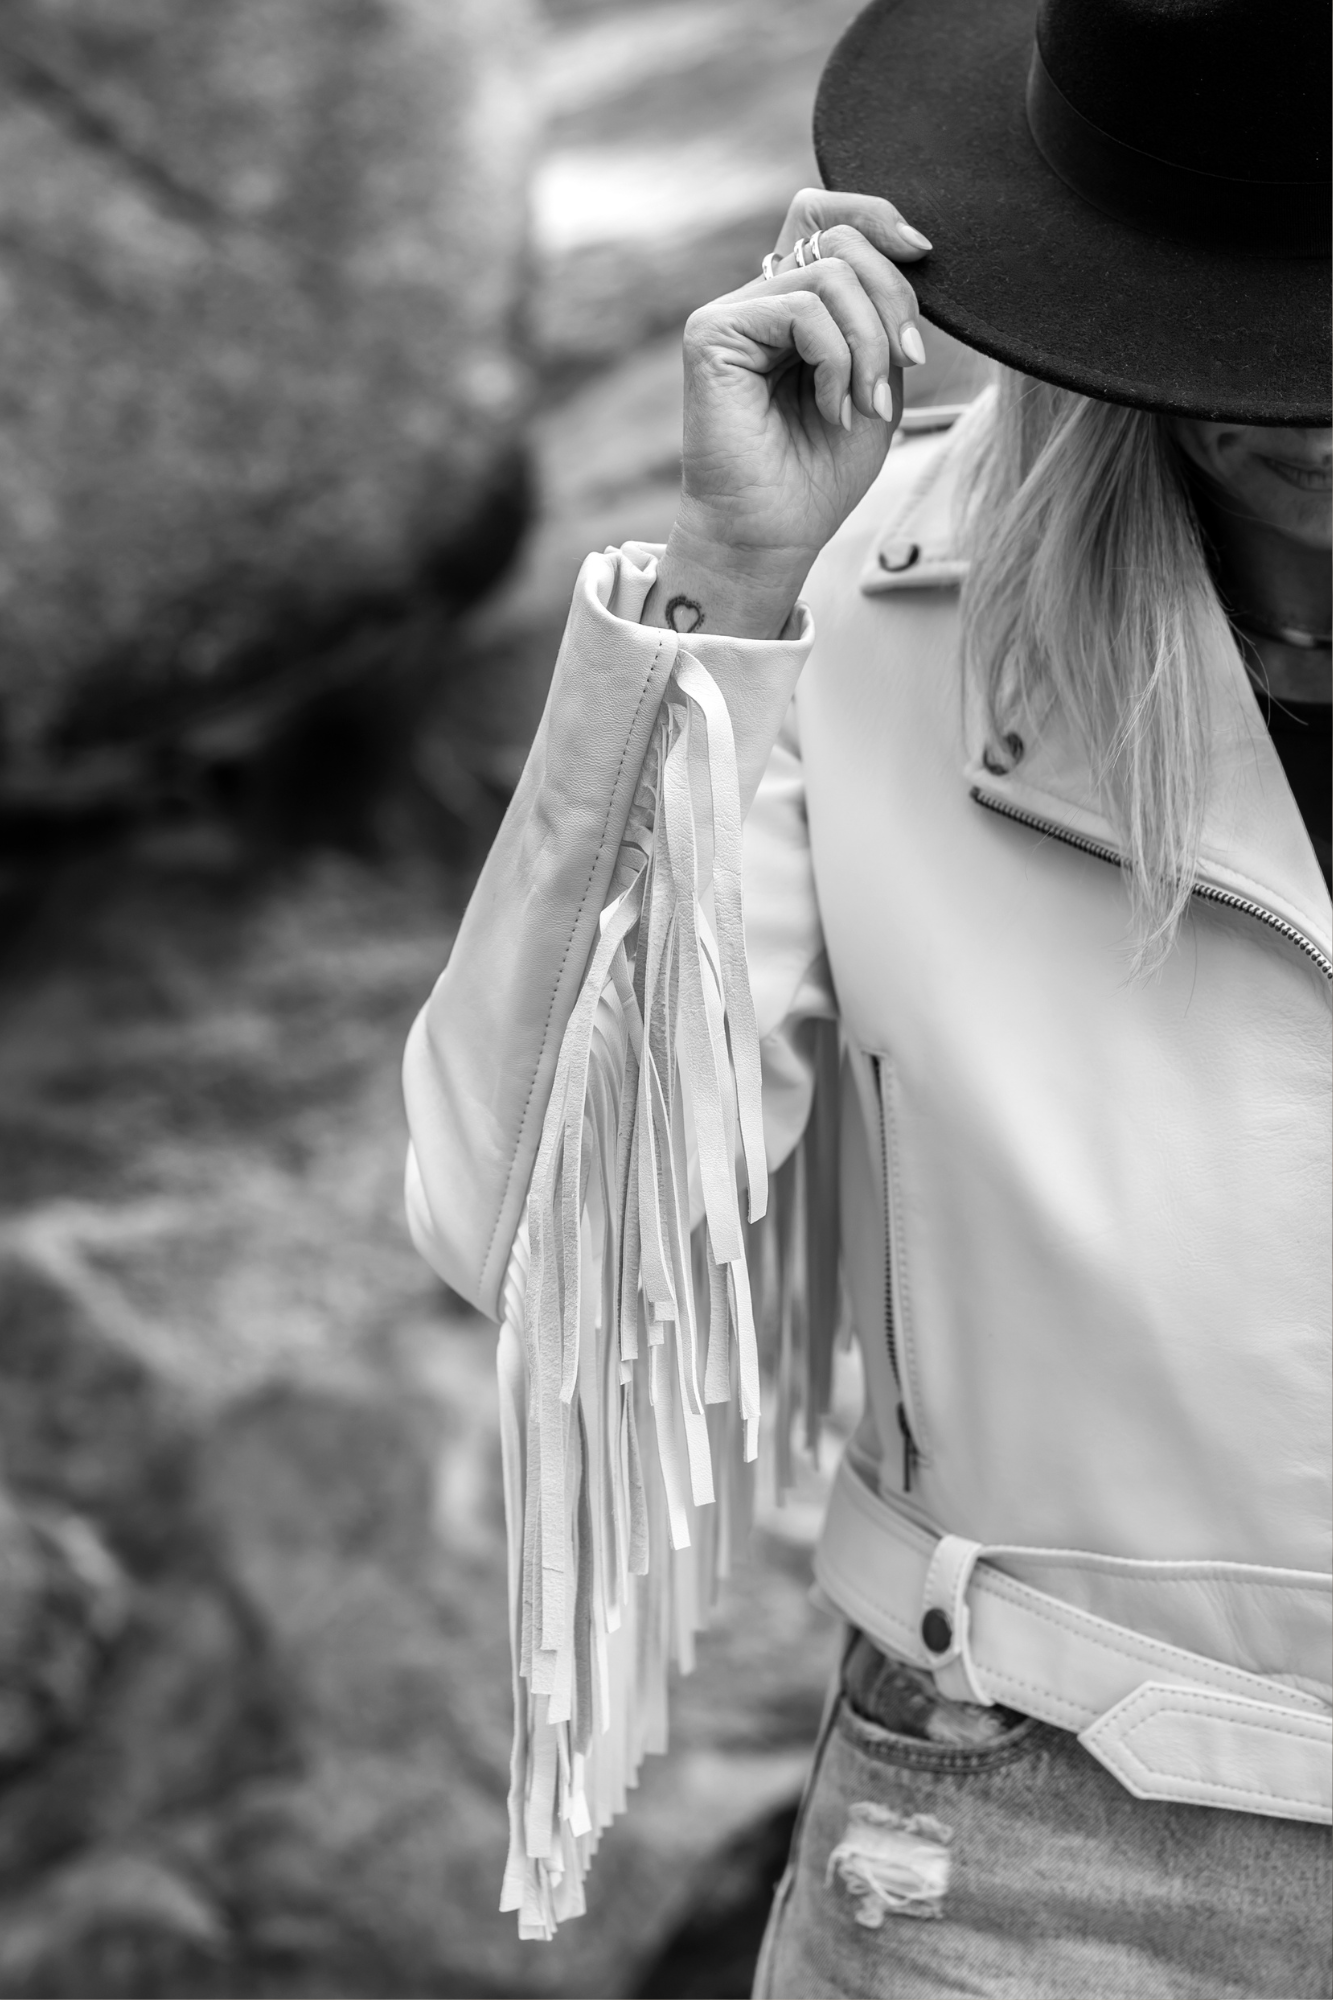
(1210, 1700)
(1003, 1683)
(569, 946)
(1006, 1683)
(1213, 1786)
(1080, 1620)
(1139, 1573)
(1208, 1703)
(1072, 1619)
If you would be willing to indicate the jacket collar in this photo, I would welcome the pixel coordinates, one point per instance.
(914, 549)
(1254, 844)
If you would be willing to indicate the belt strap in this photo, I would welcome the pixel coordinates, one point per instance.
(1168, 1723)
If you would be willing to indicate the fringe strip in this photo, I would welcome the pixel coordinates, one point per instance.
(623, 1331)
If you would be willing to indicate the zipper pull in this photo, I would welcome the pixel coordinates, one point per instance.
(910, 1453)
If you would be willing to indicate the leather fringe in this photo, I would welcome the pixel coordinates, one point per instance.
(628, 1356)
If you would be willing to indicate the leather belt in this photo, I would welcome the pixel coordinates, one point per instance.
(1168, 1723)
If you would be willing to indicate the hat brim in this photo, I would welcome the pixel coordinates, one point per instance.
(923, 101)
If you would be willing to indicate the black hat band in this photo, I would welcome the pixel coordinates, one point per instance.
(1263, 218)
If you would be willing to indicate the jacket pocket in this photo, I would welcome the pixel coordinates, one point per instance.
(898, 1315)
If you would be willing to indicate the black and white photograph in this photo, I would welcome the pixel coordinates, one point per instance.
(666, 1070)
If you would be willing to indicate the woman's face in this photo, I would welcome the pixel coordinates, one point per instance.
(1283, 478)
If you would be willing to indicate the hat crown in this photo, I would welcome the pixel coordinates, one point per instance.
(1236, 88)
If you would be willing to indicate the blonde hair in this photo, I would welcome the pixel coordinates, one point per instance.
(1089, 596)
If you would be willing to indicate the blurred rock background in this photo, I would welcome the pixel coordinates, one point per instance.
(260, 387)
(332, 334)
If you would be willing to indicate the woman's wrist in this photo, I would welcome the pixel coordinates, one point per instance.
(704, 586)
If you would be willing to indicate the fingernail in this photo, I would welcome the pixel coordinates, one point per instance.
(911, 342)
(914, 237)
(883, 400)
(846, 413)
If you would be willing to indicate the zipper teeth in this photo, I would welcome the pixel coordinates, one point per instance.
(1208, 894)
(1205, 891)
(890, 1332)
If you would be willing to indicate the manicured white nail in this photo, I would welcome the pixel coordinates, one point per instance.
(846, 413)
(914, 237)
(883, 400)
(911, 342)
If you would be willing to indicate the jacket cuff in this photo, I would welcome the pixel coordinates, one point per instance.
(757, 677)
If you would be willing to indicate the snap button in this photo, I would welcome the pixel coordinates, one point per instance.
(1014, 746)
(895, 556)
(936, 1631)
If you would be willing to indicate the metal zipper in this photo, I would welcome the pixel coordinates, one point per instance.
(1207, 892)
(910, 1453)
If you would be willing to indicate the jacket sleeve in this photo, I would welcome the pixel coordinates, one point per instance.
(482, 1054)
(611, 1062)
(789, 975)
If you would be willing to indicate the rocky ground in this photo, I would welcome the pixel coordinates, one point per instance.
(257, 1704)
(254, 1702)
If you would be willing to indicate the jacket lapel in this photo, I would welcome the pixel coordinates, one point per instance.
(1254, 846)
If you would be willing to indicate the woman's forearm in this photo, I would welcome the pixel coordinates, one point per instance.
(742, 595)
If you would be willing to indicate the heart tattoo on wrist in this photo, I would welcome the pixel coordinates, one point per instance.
(681, 608)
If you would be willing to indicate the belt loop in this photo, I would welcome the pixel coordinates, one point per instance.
(945, 1620)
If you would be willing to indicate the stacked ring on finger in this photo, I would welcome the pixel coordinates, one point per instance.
(806, 251)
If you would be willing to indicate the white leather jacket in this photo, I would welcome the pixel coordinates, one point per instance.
(1084, 1220)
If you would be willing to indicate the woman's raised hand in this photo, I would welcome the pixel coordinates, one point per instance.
(793, 387)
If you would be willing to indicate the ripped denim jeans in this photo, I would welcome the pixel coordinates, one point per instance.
(945, 1850)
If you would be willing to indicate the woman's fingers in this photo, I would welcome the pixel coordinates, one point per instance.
(877, 220)
(859, 291)
(825, 349)
(759, 331)
(871, 237)
(889, 291)
(869, 342)
(891, 298)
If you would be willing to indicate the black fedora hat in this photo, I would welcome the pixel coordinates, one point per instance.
(1127, 197)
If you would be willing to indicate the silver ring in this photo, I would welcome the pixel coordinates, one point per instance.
(807, 250)
(769, 264)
